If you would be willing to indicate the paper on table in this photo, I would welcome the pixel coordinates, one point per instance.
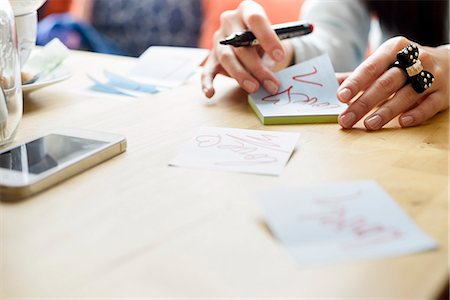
(238, 150)
(128, 84)
(167, 66)
(47, 58)
(307, 94)
(107, 87)
(327, 223)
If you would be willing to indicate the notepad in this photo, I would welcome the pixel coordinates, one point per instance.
(307, 94)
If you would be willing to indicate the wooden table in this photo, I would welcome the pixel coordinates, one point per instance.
(135, 228)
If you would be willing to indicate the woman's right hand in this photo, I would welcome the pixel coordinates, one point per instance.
(250, 66)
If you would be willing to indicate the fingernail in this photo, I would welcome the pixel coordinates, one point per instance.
(407, 120)
(374, 122)
(278, 55)
(347, 120)
(268, 61)
(345, 95)
(209, 92)
(250, 86)
(270, 86)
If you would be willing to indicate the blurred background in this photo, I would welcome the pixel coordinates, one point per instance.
(129, 27)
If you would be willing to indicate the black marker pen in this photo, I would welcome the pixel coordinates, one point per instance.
(283, 31)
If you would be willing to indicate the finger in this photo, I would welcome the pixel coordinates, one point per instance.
(383, 88)
(210, 70)
(342, 76)
(372, 68)
(230, 22)
(229, 62)
(249, 59)
(253, 63)
(232, 65)
(228, 57)
(429, 107)
(256, 20)
(244, 63)
(402, 101)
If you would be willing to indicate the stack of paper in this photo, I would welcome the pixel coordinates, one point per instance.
(159, 68)
(307, 95)
(167, 67)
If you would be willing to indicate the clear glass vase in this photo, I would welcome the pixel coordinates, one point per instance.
(10, 81)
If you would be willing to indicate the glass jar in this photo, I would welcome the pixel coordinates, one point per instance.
(10, 81)
(23, 7)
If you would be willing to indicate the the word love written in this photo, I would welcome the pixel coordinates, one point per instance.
(292, 95)
(337, 215)
(250, 149)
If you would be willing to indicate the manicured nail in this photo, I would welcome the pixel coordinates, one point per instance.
(347, 120)
(209, 92)
(278, 55)
(268, 61)
(345, 95)
(407, 120)
(270, 86)
(374, 122)
(250, 86)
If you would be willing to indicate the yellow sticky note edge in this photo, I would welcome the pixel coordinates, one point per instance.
(291, 119)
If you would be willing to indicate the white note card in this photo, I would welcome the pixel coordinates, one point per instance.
(327, 223)
(238, 150)
(168, 67)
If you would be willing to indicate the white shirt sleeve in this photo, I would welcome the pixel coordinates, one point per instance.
(341, 29)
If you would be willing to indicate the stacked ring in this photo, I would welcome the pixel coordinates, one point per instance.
(408, 60)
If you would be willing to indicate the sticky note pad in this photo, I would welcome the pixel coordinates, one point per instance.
(307, 95)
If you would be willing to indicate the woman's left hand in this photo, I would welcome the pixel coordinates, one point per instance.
(384, 88)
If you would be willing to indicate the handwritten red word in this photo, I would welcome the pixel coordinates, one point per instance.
(292, 97)
(254, 150)
(298, 78)
(289, 95)
(338, 217)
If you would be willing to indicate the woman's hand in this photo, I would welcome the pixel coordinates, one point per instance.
(250, 66)
(384, 88)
